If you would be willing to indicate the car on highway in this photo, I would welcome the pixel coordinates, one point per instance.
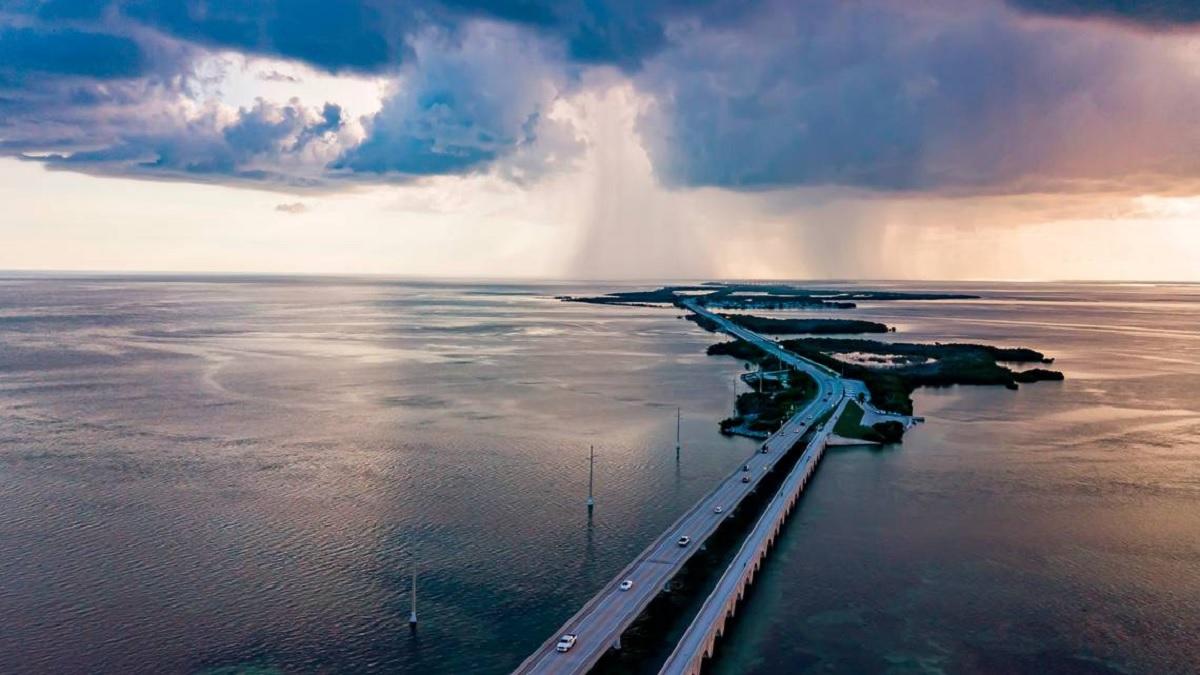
(745, 478)
(718, 509)
(765, 448)
(684, 540)
(626, 585)
(566, 642)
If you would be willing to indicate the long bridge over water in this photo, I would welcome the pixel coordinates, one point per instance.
(599, 624)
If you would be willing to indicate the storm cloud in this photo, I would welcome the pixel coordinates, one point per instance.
(30, 52)
(1156, 13)
(966, 96)
(879, 96)
(469, 103)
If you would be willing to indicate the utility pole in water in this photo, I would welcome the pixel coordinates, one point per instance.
(735, 409)
(412, 617)
(591, 472)
(678, 421)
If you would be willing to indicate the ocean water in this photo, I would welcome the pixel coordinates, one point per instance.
(1055, 529)
(203, 474)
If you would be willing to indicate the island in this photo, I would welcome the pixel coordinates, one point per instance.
(729, 295)
(770, 326)
(893, 370)
(777, 395)
(889, 371)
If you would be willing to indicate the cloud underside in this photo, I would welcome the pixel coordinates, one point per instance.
(968, 97)
(1153, 13)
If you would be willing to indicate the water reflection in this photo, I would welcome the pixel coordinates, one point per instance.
(216, 474)
(1052, 529)
(200, 474)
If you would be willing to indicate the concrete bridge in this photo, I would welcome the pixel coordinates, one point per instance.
(699, 640)
(599, 624)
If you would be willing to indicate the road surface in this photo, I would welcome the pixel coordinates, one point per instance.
(602, 620)
(698, 640)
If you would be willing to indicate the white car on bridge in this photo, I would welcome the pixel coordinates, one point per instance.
(566, 642)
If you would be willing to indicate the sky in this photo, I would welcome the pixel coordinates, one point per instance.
(604, 139)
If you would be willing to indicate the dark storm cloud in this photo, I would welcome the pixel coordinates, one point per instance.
(461, 108)
(940, 95)
(29, 51)
(621, 32)
(65, 9)
(883, 96)
(333, 35)
(452, 114)
(1156, 13)
(373, 35)
(468, 107)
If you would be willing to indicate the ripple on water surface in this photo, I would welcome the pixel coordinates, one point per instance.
(215, 475)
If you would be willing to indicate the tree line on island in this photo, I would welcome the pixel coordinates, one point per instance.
(727, 295)
(891, 371)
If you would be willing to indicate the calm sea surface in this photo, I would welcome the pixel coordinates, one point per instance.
(222, 475)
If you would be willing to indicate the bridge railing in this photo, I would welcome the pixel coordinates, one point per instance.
(699, 640)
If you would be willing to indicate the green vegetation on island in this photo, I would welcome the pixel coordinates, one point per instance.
(920, 350)
(763, 413)
(730, 300)
(770, 326)
(890, 371)
(727, 295)
(1037, 375)
(850, 425)
(667, 295)
(793, 326)
(920, 365)
(911, 365)
(781, 296)
(738, 349)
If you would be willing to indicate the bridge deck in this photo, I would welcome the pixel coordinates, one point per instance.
(601, 621)
(698, 640)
